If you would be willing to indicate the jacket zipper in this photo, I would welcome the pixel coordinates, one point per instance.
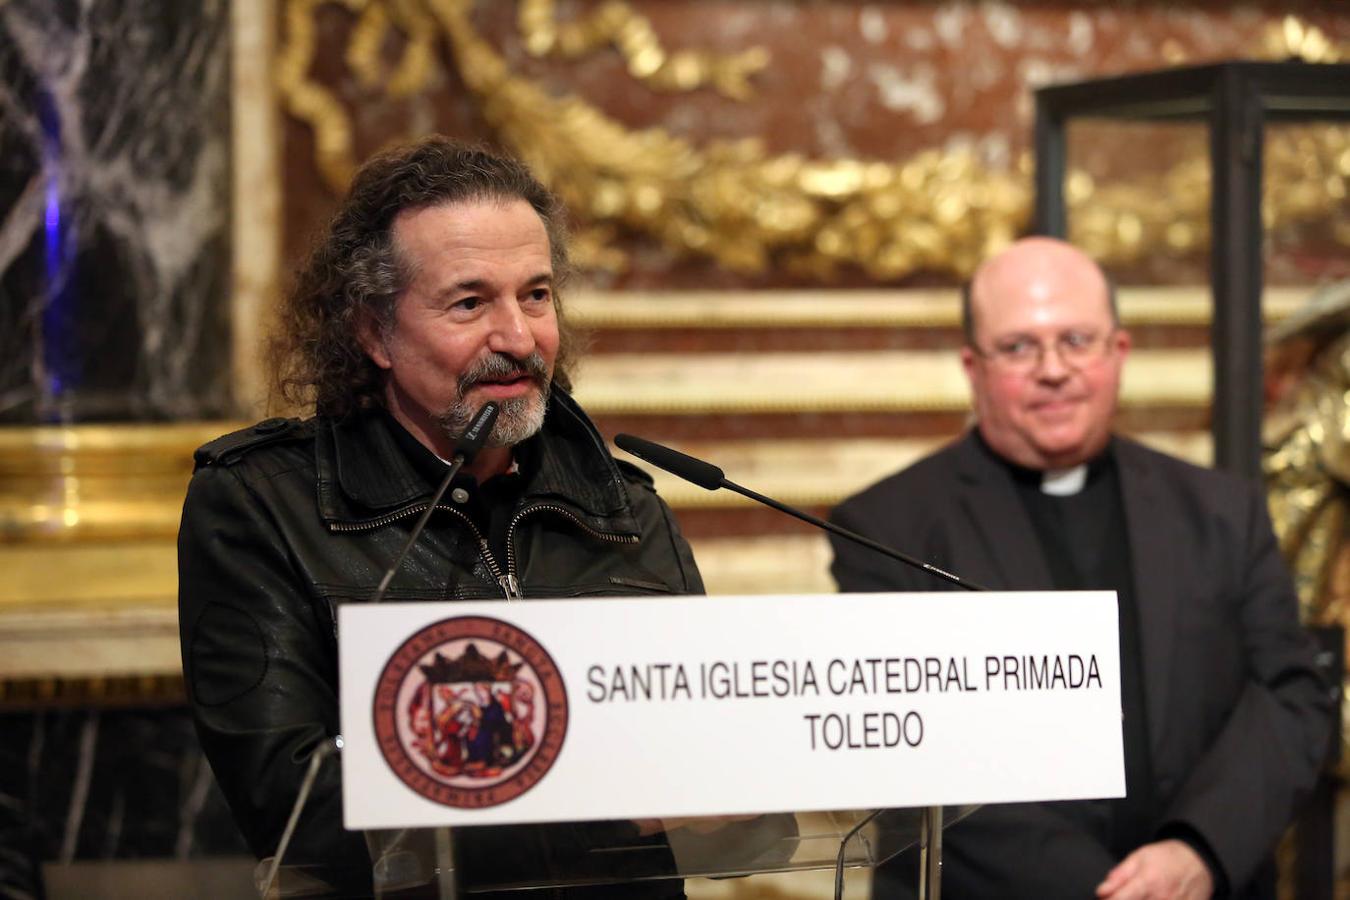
(506, 582)
(510, 581)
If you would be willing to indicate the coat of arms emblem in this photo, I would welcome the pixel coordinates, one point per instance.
(470, 712)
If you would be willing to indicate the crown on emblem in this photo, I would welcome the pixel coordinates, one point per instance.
(471, 665)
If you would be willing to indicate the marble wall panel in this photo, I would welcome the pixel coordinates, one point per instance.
(114, 179)
(114, 306)
(111, 784)
(841, 80)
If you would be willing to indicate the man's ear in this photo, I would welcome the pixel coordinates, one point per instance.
(371, 338)
(1122, 342)
(968, 363)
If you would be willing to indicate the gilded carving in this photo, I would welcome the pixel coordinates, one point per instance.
(83, 692)
(415, 67)
(310, 102)
(1307, 458)
(1296, 39)
(736, 203)
(616, 23)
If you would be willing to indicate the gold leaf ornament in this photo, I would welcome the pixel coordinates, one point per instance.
(730, 200)
(616, 23)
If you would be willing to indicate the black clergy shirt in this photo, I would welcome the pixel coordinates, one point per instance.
(1085, 541)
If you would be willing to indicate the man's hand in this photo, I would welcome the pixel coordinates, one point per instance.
(1166, 870)
(698, 825)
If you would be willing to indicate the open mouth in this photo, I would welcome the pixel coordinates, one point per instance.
(518, 383)
(502, 377)
(510, 379)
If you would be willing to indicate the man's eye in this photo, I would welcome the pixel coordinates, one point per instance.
(1018, 349)
(539, 295)
(467, 304)
(1076, 340)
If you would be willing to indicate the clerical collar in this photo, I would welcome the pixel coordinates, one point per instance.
(1054, 482)
(1064, 482)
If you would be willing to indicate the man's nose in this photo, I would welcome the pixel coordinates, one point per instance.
(511, 332)
(1052, 366)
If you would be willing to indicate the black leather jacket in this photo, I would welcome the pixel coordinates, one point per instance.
(287, 519)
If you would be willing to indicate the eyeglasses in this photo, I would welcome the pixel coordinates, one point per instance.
(1076, 349)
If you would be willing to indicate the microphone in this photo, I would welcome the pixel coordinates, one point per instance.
(703, 474)
(470, 442)
(709, 477)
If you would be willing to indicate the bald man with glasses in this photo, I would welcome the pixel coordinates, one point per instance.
(1225, 717)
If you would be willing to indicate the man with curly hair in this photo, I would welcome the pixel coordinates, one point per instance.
(433, 291)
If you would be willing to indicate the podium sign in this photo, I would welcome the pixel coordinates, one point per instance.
(478, 713)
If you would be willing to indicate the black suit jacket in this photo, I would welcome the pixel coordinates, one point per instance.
(1237, 715)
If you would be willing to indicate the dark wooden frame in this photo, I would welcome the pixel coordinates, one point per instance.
(1236, 99)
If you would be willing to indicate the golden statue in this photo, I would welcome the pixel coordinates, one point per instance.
(1307, 454)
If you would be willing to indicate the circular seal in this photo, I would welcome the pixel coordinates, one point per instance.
(470, 712)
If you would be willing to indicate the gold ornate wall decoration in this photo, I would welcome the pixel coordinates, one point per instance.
(1297, 39)
(412, 74)
(734, 202)
(308, 101)
(616, 23)
(1307, 450)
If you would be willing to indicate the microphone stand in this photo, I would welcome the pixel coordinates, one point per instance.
(867, 542)
(710, 477)
(469, 444)
(321, 752)
(455, 465)
(473, 439)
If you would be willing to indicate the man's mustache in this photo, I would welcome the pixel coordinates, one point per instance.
(504, 367)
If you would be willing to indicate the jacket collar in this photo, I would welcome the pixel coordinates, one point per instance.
(999, 520)
(363, 473)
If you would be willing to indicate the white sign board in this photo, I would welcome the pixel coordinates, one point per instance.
(495, 712)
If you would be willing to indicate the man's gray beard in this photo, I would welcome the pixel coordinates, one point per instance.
(519, 419)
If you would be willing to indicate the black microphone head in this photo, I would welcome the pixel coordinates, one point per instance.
(705, 475)
(476, 435)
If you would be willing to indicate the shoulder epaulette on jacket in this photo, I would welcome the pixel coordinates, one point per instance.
(229, 448)
(634, 473)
